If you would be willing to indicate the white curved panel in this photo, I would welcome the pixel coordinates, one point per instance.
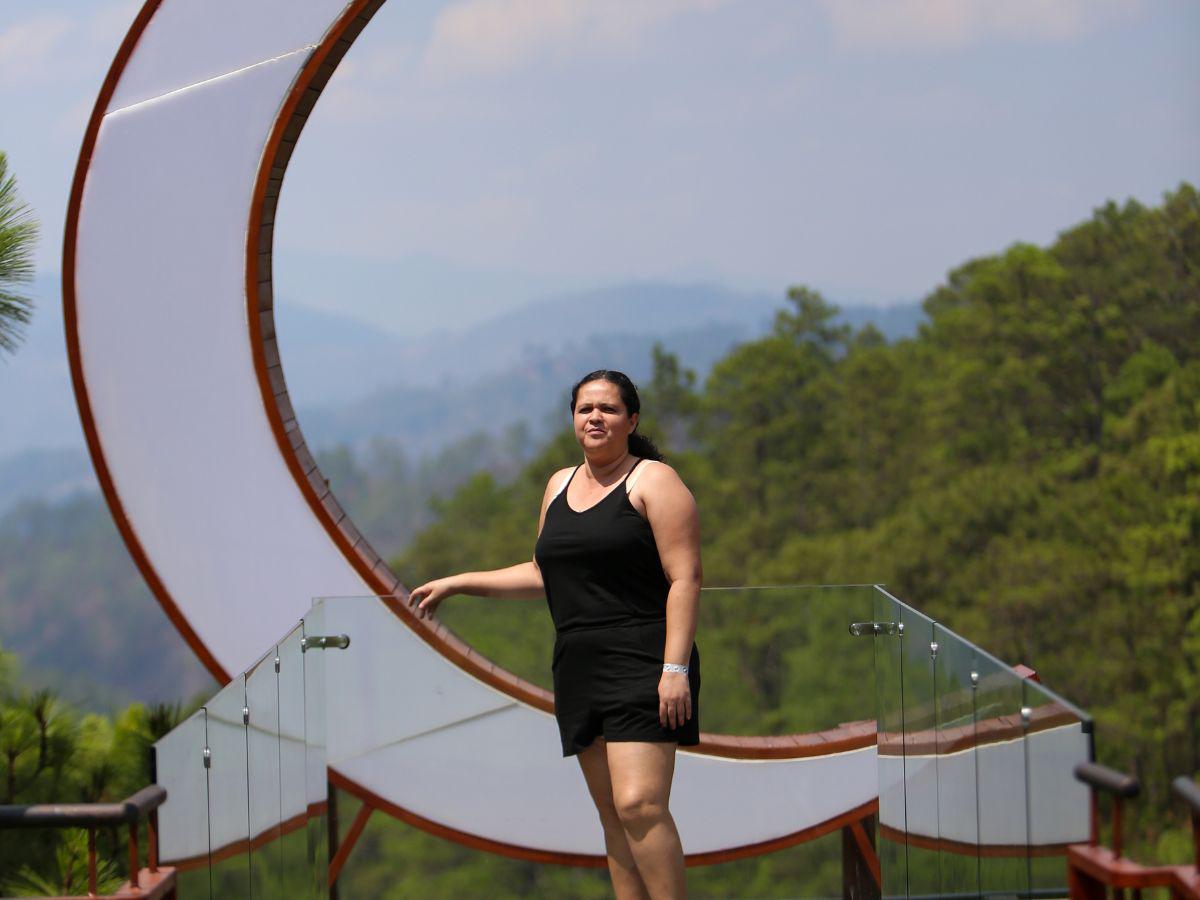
(510, 782)
(513, 785)
(160, 277)
(391, 685)
(1057, 806)
(722, 803)
(190, 41)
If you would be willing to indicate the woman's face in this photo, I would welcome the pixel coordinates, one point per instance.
(601, 420)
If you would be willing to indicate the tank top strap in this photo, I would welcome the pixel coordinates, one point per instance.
(562, 485)
(631, 478)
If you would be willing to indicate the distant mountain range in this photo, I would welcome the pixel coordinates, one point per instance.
(352, 381)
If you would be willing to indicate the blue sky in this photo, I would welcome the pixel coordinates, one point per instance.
(859, 146)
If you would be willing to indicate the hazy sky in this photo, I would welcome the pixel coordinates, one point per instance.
(863, 147)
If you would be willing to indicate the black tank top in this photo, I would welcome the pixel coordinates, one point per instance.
(600, 567)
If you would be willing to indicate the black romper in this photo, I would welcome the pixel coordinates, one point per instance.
(608, 598)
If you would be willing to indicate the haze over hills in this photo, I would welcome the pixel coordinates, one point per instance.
(352, 381)
(411, 297)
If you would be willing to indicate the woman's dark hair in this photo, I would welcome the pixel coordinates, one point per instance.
(639, 444)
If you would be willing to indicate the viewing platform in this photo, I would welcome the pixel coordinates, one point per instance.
(899, 759)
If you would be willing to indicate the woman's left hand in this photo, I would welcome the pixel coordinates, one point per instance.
(674, 699)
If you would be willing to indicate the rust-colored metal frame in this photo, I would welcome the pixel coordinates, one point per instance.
(587, 860)
(315, 488)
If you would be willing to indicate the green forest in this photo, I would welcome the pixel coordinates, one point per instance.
(1025, 469)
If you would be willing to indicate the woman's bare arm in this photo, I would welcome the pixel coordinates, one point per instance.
(675, 521)
(522, 581)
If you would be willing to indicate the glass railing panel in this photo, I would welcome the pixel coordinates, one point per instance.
(1000, 768)
(316, 779)
(958, 807)
(183, 819)
(975, 794)
(1058, 736)
(779, 660)
(262, 763)
(293, 802)
(228, 791)
(920, 751)
(775, 660)
(892, 843)
(817, 684)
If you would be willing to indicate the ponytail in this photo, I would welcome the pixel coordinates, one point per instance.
(640, 445)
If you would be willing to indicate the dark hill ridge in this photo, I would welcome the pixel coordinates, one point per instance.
(500, 342)
(532, 389)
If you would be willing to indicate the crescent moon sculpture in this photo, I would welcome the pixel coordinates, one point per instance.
(177, 375)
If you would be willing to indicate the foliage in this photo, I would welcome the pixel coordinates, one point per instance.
(18, 234)
(72, 600)
(69, 876)
(1027, 469)
(51, 753)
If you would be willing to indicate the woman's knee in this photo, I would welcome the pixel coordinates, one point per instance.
(610, 820)
(639, 807)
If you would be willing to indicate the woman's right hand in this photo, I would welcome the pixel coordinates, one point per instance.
(426, 598)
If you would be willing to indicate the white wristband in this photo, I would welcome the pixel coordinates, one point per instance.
(674, 667)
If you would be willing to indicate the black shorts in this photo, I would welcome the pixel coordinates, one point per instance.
(606, 683)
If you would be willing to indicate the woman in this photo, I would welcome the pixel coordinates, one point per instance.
(618, 560)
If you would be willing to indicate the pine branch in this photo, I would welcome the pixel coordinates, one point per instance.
(18, 236)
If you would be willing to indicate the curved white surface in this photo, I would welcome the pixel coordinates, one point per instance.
(165, 355)
(161, 305)
(978, 795)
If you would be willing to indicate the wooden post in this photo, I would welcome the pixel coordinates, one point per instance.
(152, 833)
(91, 861)
(1196, 838)
(1116, 827)
(860, 864)
(1094, 813)
(133, 855)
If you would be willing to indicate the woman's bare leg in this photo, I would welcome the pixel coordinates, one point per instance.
(641, 774)
(627, 883)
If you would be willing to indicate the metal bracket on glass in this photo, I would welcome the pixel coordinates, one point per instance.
(207, 755)
(1026, 716)
(324, 642)
(870, 629)
(974, 679)
(245, 715)
(933, 649)
(277, 665)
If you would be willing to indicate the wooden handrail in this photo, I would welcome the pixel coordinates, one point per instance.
(142, 805)
(84, 815)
